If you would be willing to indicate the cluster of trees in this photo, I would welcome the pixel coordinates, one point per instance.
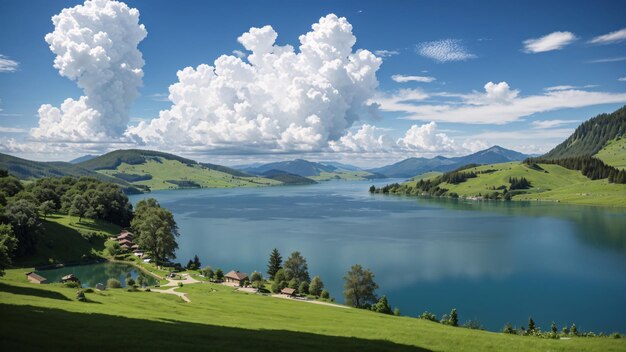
(194, 264)
(422, 187)
(456, 177)
(155, 230)
(589, 166)
(213, 275)
(293, 273)
(519, 183)
(359, 291)
(592, 135)
(534, 330)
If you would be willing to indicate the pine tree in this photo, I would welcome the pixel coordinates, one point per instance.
(531, 325)
(274, 264)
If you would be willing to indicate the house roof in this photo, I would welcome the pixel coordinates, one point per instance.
(288, 291)
(69, 277)
(125, 241)
(36, 276)
(237, 275)
(124, 234)
(135, 246)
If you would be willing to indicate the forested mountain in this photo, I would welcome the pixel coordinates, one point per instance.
(416, 166)
(591, 136)
(80, 159)
(299, 167)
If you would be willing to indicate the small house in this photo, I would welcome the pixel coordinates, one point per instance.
(235, 277)
(100, 286)
(135, 247)
(69, 278)
(288, 291)
(36, 278)
(125, 235)
(126, 242)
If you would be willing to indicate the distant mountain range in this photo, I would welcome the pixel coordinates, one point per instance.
(416, 166)
(319, 171)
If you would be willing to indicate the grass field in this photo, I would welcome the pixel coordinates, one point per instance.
(166, 170)
(614, 153)
(64, 239)
(48, 317)
(550, 183)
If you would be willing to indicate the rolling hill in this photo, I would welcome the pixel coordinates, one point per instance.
(415, 166)
(158, 170)
(317, 171)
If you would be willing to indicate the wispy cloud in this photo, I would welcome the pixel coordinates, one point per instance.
(622, 79)
(610, 38)
(498, 104)
(159, 97)
(4, 129)
(609, 59)
(568, 87)
(404, 79)
(546, 124)
(549, 42)
(239, 53)
(8, 65)
(446, 50)
(386, 53)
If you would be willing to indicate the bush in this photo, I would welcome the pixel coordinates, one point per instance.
(71, 284)
(508, 329)
(88, 290)
(325, 294)
(396, 312)
(147, 290)
(180, 284)
(114, 283)
(616, 335)
(473, 324)
(428, 316)
(80, 296)
(130, 281)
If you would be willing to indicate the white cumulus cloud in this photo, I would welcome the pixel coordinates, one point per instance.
(8, 65)
(609, 38)
(404, 79)
(446, 50)
(425, 138)
(275, 99)
(367, 139)
(95, 45)
(549, 42)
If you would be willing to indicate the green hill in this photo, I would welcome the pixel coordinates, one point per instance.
(591, 136)
(48, 317)
(614, 153)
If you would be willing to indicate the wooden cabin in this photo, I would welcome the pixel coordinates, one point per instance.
(36, 278)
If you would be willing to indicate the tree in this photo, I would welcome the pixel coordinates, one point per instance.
(280, 281)
(8, 243)
(325, 294)
(297, 264)
(454, 318)
(190, 265)
(156, 230)
(382, 306)
(316, 286)
(113, 248)
(303, 288)
(196, 262)
(24, 220)
(46, 208)
(359, 288)
(257, 280)
(274, 264)
(219, 274)
(207, 272)
(574, 330)
(531, 325)
(79, 207)
(553, 328)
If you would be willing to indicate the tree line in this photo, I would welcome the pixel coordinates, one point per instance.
(592, 168)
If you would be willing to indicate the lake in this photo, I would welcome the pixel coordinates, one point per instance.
(496, 262)
(92, 274)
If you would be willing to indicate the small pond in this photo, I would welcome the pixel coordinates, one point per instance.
(92, 274)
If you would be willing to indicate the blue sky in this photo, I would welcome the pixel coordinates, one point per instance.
(451, 48)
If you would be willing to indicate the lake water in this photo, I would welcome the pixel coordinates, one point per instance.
(92, 274)
(496, 262)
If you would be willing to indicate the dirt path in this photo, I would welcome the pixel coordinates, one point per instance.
(310, 301)
(173, 285)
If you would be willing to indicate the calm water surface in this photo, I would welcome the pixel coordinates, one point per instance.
(495, 262)
(92, 274)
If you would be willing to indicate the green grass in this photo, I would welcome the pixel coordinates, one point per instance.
(614, 153)
(47, 317)
(552, 183)
(175, 170)
(427, 176)
(62, 239)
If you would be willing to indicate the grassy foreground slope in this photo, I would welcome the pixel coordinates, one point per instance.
(48, 317)
(614, 153)
(549, 183)
(163, 171)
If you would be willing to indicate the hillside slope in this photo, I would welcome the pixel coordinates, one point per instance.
(227, 320)
(614, 153)
(591, 136)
